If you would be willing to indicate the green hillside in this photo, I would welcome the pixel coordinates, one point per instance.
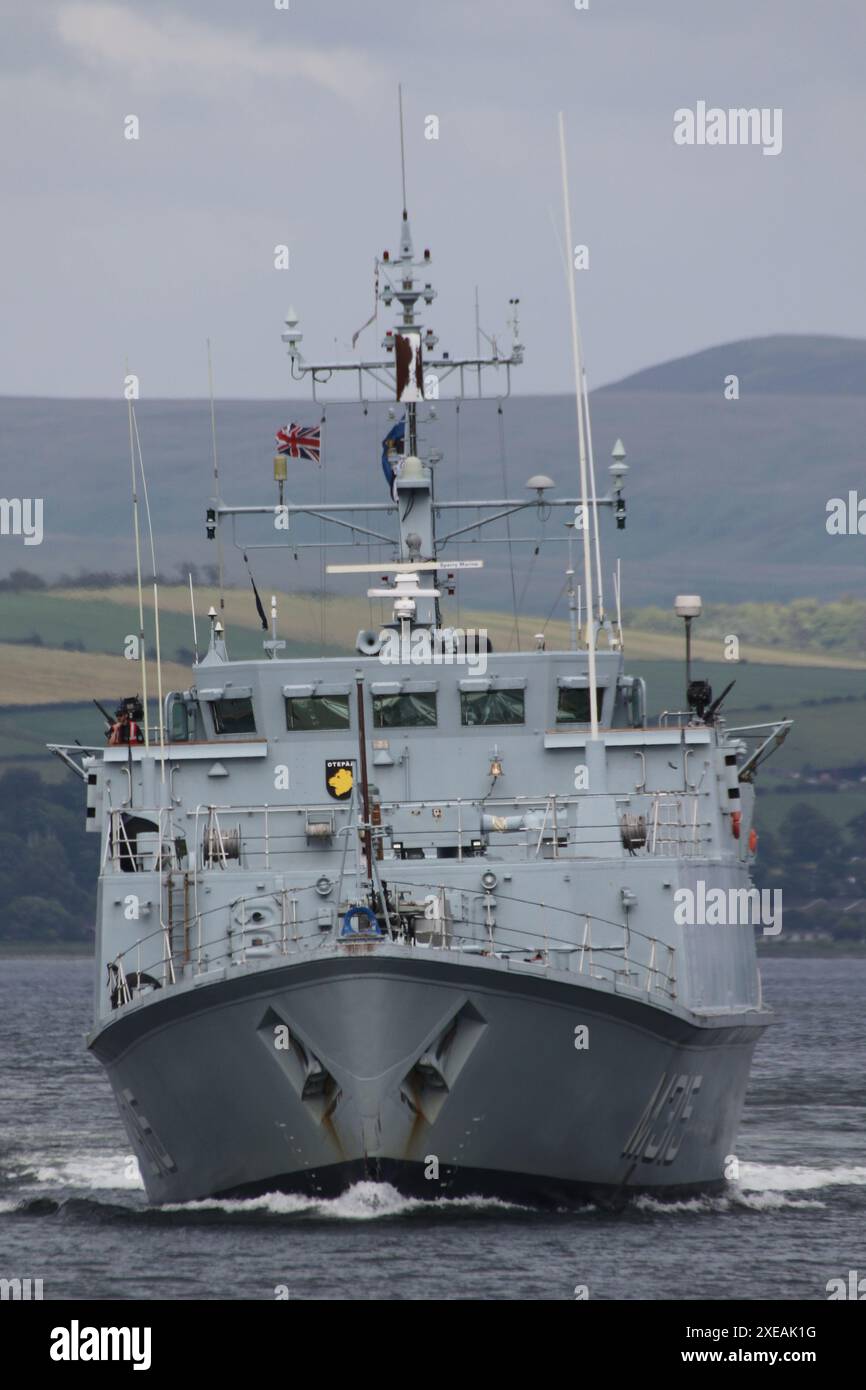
(811, 811)
(788, 364)
(727, 498)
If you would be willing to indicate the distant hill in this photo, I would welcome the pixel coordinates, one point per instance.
(783, 364)
(725, 498)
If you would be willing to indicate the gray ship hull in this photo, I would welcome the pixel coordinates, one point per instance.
(443, 1076)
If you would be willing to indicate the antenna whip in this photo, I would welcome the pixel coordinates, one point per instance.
(216, 476)
(578, 391)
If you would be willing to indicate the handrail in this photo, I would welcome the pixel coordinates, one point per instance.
(757, 729)
(209, 844)
(613, 960)
(681, 714)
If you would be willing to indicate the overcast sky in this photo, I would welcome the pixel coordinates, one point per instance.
(261, 126)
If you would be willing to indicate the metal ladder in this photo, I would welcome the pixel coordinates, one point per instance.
(672, 833)
(177, 914)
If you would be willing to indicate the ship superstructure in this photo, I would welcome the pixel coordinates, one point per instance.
(410, 914)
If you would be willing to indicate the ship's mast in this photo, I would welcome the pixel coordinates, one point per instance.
(411, 373)
(408, 295)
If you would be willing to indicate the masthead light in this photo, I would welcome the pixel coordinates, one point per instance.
(619, 467)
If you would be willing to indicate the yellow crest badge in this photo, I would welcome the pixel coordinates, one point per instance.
(339, 777)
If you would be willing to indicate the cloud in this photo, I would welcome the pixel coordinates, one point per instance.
(177, 52)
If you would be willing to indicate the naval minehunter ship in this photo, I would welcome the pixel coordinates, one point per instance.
(408, 915)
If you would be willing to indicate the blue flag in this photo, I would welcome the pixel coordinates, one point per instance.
(393, 446)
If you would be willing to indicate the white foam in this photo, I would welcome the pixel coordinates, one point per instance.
(364, 1201)
(775, 1201)
(725, 1202)
(94, 1171)
(765, 1187)
(795, 1177)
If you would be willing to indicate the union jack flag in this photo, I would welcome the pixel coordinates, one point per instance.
(300, 442)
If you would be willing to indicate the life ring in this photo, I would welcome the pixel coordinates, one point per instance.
(736, 817)
(360, 911)
(753, 840)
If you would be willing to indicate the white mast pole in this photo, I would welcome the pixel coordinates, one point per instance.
(192, 610)
(573, 620)
(578, 392)
(155, 596)
(159, 681)
(137, 535)
(593, 495)
(216, 476)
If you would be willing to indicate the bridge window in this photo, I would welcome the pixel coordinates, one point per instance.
(572, 704)
(178, 719)
(405, 711)
(317, 711)
(234, 716)
(492, 707)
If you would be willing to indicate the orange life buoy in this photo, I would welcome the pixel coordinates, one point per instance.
(753, 840)
(736, 817)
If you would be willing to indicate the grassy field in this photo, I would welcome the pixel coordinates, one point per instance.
(100, 621)
(25, 731)
(756, 685)
(659, 646)
(302, 621)
(34, 626)
(824, 735)
(48, 676)
(825, 697)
